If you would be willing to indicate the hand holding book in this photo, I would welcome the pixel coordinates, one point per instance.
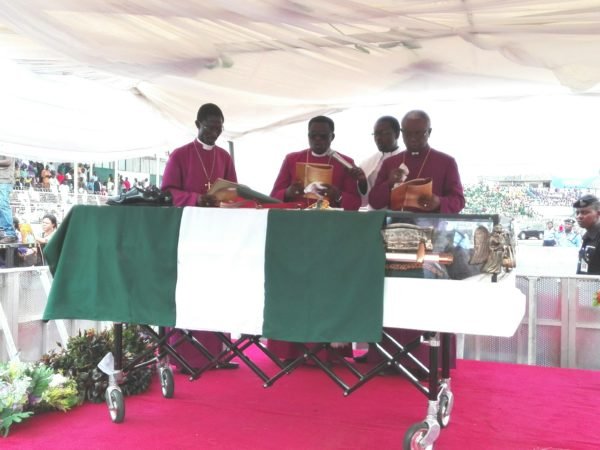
(416, 194)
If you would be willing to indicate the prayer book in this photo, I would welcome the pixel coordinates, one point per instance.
(313, 174)
(228, 191)
(407, 194)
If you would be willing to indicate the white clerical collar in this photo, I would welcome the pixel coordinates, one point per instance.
(205, 146)
(322, 155)
(419, 153)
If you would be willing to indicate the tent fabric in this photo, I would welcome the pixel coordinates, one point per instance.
(268, 63)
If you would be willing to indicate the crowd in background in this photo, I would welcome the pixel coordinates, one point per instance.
(61, 178)
(516, 201)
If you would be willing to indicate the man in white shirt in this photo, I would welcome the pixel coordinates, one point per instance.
(385, 133)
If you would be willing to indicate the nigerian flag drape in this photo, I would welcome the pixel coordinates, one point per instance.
(290, 275)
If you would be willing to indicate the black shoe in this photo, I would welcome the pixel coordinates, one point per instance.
(227, 365)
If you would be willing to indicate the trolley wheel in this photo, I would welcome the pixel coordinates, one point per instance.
(414, 437)
(115, 403)
(167, 383)
(444, 409)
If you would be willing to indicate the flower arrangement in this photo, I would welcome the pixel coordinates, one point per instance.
(26, 388)
(596, 300)
(68, 377)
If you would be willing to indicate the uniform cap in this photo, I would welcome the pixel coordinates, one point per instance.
(585, 201)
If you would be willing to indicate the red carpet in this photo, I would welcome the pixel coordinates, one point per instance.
(497, 406)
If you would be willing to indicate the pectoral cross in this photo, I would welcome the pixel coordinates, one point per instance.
(208, 185)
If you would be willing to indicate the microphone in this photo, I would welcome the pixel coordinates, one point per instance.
(335, 155)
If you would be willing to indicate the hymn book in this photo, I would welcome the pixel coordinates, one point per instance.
(228, 191)
(308, 173)
(407, 194)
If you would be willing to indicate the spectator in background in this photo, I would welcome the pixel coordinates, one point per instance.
(110, 185)
(569, 237)
(69, 178)
(7, 178)
(17, 227)
(49, 225)
(550, 235)
(53, 182)
(587, 210)
(45, 176)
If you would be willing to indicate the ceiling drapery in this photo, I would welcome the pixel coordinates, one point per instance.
(269, 63)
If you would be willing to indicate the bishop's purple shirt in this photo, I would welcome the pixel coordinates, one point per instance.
(341, 178)
(438, 166)
(186, 177)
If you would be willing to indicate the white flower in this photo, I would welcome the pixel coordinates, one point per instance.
(58, 380)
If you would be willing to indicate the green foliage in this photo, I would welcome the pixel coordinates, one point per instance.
(8, 417)
(87, 349)
(26, 388)
(68, 377)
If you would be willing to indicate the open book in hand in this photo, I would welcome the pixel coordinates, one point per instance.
(407, 194)
(310, 173)
(228, 191)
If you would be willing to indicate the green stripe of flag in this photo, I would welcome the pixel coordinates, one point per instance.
(115, 263)
(324, 276)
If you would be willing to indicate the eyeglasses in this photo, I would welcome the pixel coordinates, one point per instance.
(319, 135)
(415, 133)
(383, 133)
(212, 128)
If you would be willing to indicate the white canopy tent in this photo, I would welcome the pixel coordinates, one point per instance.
(97, 80)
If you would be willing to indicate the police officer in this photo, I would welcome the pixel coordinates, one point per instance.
(569, 237)
(587, 210)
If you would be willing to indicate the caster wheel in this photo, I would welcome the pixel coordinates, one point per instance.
(167, 383)
(444, 410)
(116, 404)
(414, 436)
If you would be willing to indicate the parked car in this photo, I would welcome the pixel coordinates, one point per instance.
(535, 231)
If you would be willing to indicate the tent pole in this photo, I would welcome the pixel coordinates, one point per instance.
(231, 151)
(157, 169)
(116, 180)
(75, 182)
